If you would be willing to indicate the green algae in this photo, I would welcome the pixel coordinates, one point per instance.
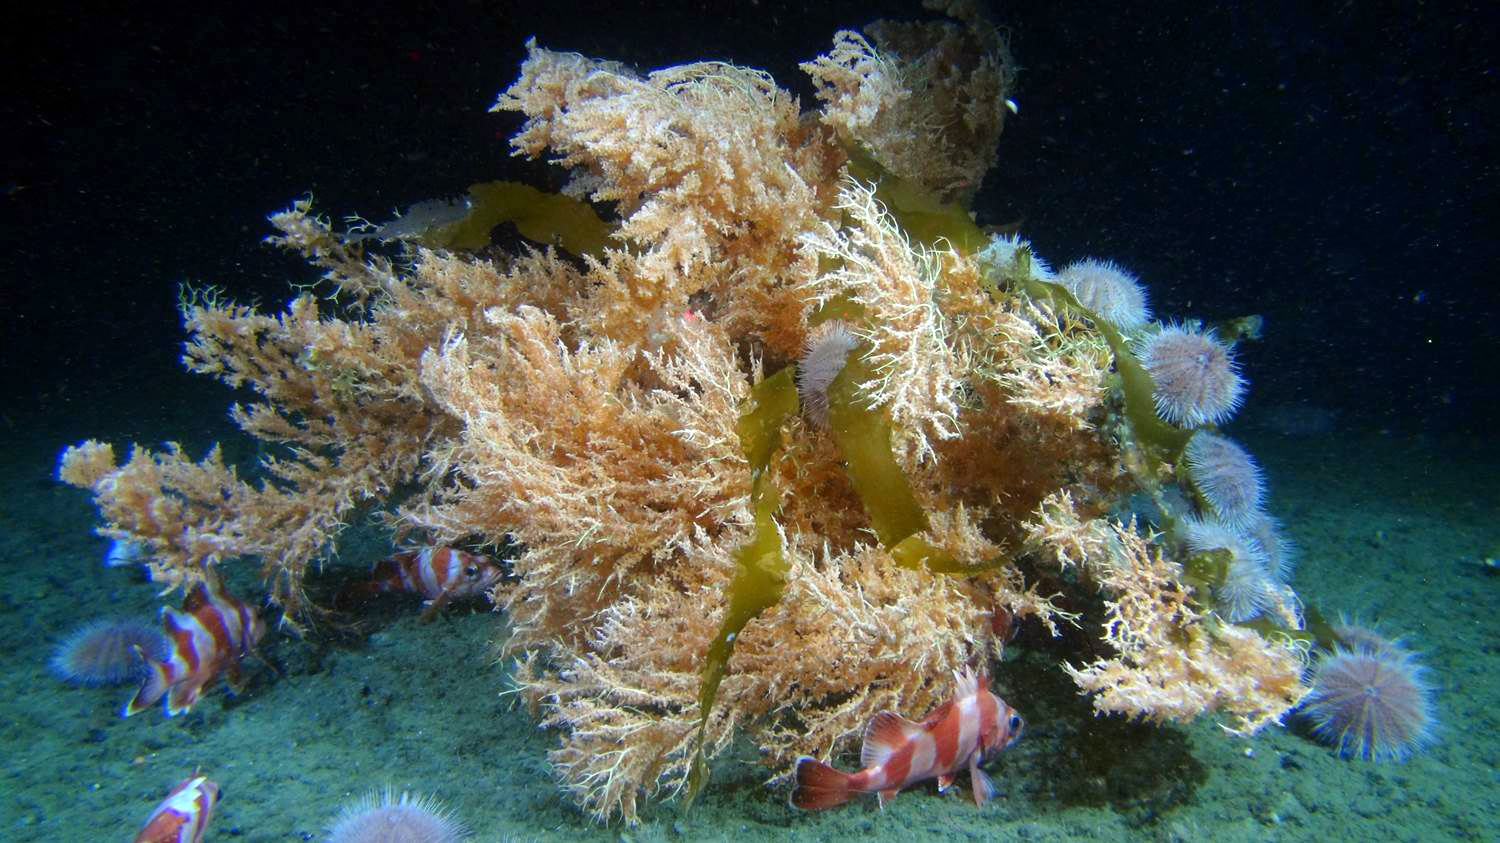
(760, 566)
(1205, 572)
(863, 435)
(1231, 331)
(921, 216)
(547, 218)
(1318, 626)
(841, 307)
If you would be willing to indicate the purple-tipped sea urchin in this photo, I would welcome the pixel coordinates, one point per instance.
(1370, 702)
(1194, 375)
(1107, 289)
(382, 818)
(1226, 476)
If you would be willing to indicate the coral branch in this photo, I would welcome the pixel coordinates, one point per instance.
(694, 561)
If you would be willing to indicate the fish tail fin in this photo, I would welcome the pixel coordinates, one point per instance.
(819, 786)
(158, 682)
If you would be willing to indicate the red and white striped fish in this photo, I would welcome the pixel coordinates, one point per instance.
(183, 816)
(210, 635)
(899, 753)
(441, 574)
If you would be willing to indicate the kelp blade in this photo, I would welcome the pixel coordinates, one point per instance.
(760, 566)
(547, 218)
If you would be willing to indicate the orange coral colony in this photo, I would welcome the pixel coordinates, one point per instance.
(589, 403)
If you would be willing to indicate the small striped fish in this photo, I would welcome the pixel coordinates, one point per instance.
(440, 574)
(899, 753)
(183, 816)
(209, 636)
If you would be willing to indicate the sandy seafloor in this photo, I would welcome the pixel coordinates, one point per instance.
(1389, 527)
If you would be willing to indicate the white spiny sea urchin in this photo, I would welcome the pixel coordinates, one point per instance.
(1109, 290)
(1196, 381)
(1247, 590)
(1279, 551)
(1226, 476)
(384, 818)
(108, 652)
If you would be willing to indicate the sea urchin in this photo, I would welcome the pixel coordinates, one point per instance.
(1194, 375)
(1370, 702)
(1107, 289)
(108, 652)
(383, 818)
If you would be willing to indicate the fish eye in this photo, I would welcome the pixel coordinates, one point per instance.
(1014, 723)
(472, 571)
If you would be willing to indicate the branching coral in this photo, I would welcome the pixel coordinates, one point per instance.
(929, 103)
(897, 287)
(1172, 663)
(715, 175)
(341, 410)
(604, 481)
(593, 410)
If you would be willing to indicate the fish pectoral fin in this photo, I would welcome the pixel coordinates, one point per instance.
(185, 693)
(984, 789)
(156, 685)
(945, 781)
(887, 795)
(233, 678)
(434, 607)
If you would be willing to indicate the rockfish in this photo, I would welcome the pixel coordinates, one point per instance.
(440, 574)
(210, 635)
(183, 815)
(899, 753)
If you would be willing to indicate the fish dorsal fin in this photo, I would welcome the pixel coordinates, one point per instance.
(174, 622)
(887, 733)
(965, 683)
(207, 592)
